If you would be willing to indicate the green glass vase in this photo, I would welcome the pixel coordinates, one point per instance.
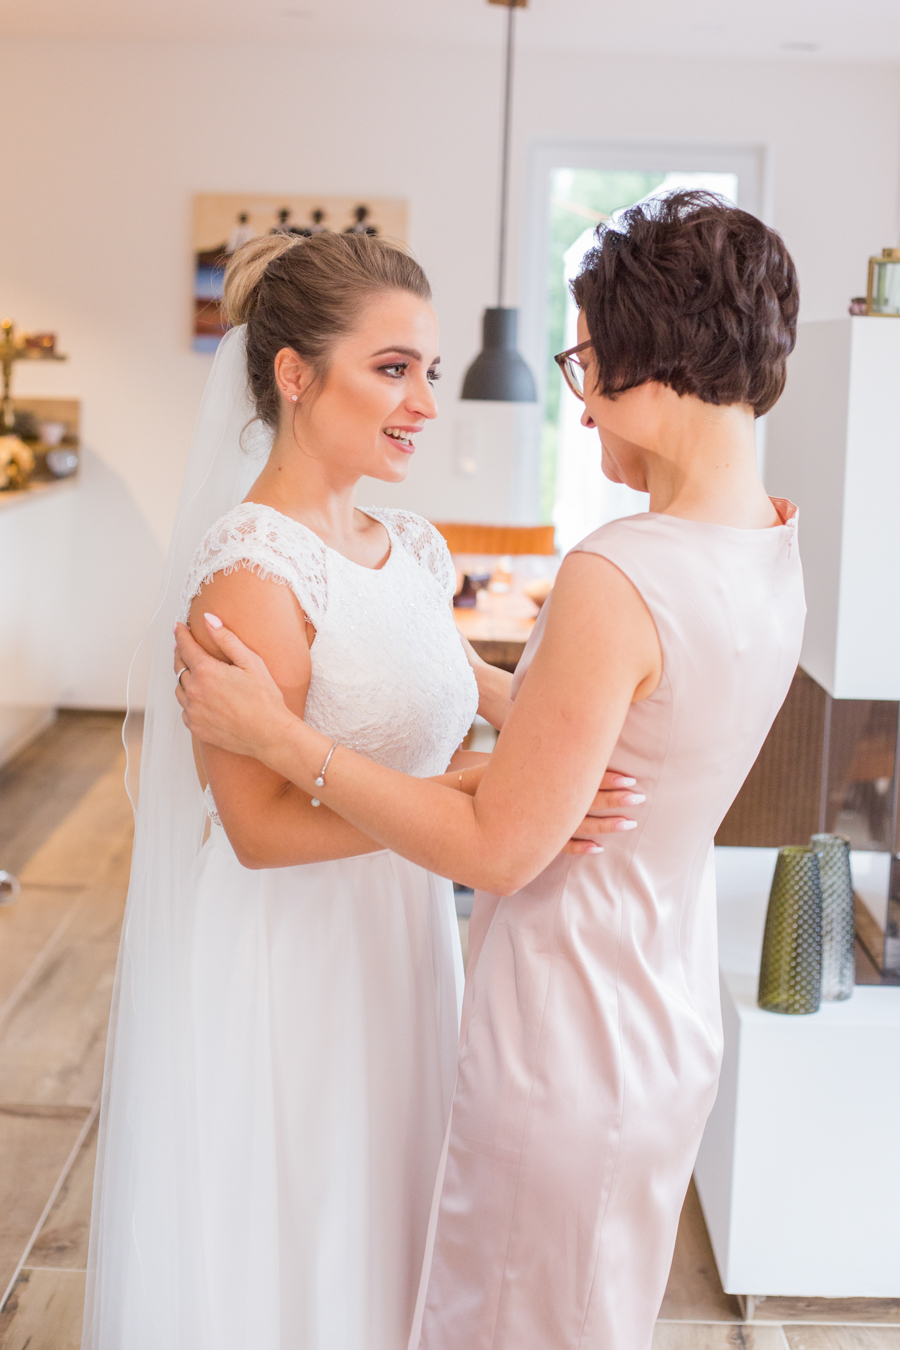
(790, 974)
(838, 923)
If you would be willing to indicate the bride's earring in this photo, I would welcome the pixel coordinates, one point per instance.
(293, 398)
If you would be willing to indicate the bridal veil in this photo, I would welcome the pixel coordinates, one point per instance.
(145, 1210)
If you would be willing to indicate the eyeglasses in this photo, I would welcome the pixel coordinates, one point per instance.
(573, 371)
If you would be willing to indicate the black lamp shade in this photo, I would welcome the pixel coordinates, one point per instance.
(498, 374)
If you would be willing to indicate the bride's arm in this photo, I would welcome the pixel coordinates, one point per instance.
(600, 652)
(269, 821)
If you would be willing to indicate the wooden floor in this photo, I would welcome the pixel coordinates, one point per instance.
(65, 828)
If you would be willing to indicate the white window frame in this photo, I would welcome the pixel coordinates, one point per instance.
(749, 162)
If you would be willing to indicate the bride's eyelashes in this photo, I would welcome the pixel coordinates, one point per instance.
(397, 369)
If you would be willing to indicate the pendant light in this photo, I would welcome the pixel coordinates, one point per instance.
(498, 374)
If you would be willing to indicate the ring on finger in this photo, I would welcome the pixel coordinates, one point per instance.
(179, 675)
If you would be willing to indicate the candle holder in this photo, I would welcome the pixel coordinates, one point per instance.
(20, 347)
(883, 290)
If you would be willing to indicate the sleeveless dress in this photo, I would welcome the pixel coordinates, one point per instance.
(326, 996)
(591, 1037)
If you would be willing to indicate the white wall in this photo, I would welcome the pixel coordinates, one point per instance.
(112, 138)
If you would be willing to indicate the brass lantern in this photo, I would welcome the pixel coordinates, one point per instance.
(883, 291)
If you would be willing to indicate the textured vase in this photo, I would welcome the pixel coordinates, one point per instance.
(790, 974)
(838, 925)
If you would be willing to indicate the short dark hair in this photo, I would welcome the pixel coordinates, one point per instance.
(688, 291)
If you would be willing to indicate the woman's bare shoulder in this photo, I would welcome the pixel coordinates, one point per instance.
(598, 618)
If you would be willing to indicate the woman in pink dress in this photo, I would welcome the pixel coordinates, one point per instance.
(591, 1037)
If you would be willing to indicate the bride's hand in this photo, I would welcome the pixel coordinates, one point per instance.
(233, 703)
(616, 790)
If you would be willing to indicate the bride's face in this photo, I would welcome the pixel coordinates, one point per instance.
(378, 392)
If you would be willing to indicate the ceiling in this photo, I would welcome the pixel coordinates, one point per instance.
(802, 30)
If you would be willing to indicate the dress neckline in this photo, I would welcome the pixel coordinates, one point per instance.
(264, 506)
(784, 509)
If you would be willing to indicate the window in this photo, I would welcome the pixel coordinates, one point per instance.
(575, 196)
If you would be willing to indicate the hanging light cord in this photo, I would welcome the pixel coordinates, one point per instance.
(504, 168)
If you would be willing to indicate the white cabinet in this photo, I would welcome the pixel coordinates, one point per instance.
(36, 560)
(833, 447)
(795, 1172)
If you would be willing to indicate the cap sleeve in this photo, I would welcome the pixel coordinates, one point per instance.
(267, 543)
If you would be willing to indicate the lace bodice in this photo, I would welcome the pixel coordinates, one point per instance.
(389, 674)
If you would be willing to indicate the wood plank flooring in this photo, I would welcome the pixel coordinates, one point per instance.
(65, 827)
(41, 785)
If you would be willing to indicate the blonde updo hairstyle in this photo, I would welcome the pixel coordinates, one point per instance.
(307, 294)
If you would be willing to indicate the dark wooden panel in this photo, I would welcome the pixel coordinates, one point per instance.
(779, 802)
(826, 765)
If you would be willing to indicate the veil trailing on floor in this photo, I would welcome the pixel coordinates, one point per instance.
(145, 1194)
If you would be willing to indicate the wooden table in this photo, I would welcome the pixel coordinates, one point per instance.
(499, 626)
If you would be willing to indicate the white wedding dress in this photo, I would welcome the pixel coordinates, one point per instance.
(280, 1200)
(330, 992)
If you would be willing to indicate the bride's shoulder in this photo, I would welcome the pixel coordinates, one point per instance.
(252, 523)
(420, 538)
(260, 539)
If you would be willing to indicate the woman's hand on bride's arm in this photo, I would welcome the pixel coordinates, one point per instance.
(232, 701)
(269, 822)
(616, 790)
(599, 653)
(239, 707)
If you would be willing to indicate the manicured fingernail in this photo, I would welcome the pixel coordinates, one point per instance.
(213, 621)
(634, 798)
(625, 825)
(594, 848)
(621, 781)
(174, 627)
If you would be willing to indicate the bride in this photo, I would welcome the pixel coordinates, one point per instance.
(284, 1035)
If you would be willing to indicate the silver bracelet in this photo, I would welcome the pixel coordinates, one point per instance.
(320, 781)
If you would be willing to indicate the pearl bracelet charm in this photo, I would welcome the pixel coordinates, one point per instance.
(320, 781)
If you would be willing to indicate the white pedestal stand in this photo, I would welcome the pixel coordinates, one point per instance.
(796, 1172)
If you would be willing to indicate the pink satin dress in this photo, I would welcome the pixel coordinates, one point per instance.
(591, 1036)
